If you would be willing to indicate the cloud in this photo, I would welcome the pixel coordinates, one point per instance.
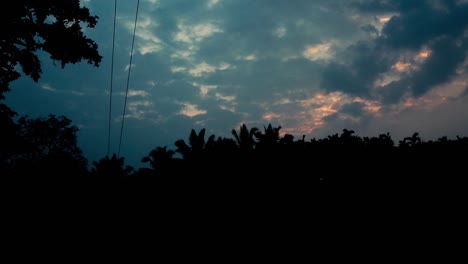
(320, 51)
(188, 37)
(127, 67)
(280, 31)
(361, 65)
(419, 47)
(313, 67)
(354, 109)
(147, 41)
(250, 57)
(48, 87)
(371, 29)
(142, 93)
(212, 3)
(432, 67)
(191, 110)
(195, 33)
(228, 98)
(205, 89)
(204, 68)
(439, 67)
(176, 69)
(140, 110)
(201, 69)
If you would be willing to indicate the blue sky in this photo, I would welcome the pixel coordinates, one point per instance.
(313, 67)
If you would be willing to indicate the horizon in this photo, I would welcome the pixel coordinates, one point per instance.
(312, 68)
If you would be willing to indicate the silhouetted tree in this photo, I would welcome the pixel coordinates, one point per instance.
(383, 142)
(48, 146)
(412, 141)
(45, 136)
(223, 151)
(269, 138)
(223, 145)
(8, 137)
(111, 168)
(287, 139)
(196, 145)
(245, 139)
(159, 159)
(53, 26)
(158, 156)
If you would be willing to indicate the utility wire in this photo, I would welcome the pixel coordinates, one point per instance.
(128, 78)
(111, 81)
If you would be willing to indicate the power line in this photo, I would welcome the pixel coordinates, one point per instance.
(128, 78)
(111, 80)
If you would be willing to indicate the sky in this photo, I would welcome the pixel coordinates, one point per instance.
(311, 67)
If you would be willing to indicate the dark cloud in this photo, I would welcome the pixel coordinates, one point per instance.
(440, 66)
(262, 44)
(177, 90)
(394, 91)
(372, 30)
(220, 122)
(335, 124)
(376, 6)
(439, 26)
(363, 62)
(416, 26)
(354, 109)
(262, 80)
(275, 29)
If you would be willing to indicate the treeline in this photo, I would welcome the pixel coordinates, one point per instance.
(42, 153)
(46, 150)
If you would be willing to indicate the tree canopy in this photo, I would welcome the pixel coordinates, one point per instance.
(52, 26)
(47, 146)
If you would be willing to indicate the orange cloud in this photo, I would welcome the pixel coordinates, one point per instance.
(319, 51)
(191, 110)
(401, 66)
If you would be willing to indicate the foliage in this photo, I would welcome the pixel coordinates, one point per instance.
(45, 146)
(111, 168)
(52, 26)
(158, 155)
(196, 144)
(48, 147)
(8, 135)
(245, 139)
(48, 136)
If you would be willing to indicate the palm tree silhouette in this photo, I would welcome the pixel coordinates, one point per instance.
(159, 159)
(158, 156)
(414, 140)
(269, 138)
(197, 144)
(245, 138)
(111, 167)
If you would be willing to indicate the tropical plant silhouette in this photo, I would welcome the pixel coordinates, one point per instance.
(158, 157)
(45, 151)
(111, 168)
(161, 160)
(412, 141)
(196, 147)
(245, 138)
(268, 138)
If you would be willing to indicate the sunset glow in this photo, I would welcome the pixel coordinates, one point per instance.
(311, 67)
